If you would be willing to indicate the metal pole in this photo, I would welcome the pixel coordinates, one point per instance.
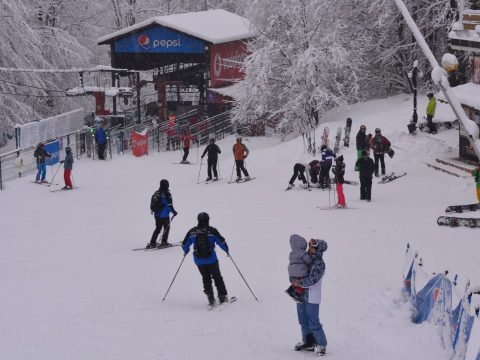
(230, 256)
(184, 255)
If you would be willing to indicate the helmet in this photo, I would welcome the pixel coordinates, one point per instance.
(363, 127)
(324, 147)
(377, 130)
(212, 140)
(239, 138)
(41, 144)
(430, 94)
(164, 184)
(68, 149)
(203, 218)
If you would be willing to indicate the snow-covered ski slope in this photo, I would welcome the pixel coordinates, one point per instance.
(72, 288)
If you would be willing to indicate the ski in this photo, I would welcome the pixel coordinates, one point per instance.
(348, 130)
(462, 208)
(391, 177)
(336, 208)
(44, 183)
(213, 181)
(338, 137)
(324, 137)
(62, 189)
(348, 182)
(222, 306)
(456, 222)
(159, 247)
(183, 163)
(444, 162)
(241, 181)
(445, 171)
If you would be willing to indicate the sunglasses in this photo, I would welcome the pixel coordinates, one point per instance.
(313, 243)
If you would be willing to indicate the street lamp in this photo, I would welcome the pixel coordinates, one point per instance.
(413, 75)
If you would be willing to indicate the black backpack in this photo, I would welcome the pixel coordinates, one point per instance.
(156, 204)
(378, 143)
(201, 247)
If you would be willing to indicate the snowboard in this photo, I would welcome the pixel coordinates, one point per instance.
(462, 208)
(423, 126)
(324, 137)
(391, 177)
(243, 180)
(348, 130)
(338, 137)
(159, 247)
(455, 221)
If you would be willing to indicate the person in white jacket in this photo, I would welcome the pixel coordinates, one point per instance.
(308, 309)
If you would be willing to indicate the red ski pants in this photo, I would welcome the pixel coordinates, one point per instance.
(66, 177)
(341, 196)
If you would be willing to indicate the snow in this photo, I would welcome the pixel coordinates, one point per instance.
(72, 288)
(215, 26)
(230, 91)
(468, 94)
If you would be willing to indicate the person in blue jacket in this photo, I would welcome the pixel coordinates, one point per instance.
(161, 206)
(203, 238)
(325, 164)
(101, 140)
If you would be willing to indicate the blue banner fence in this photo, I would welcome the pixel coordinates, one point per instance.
(440, 301)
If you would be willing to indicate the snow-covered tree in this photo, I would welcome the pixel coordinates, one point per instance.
(300, 64)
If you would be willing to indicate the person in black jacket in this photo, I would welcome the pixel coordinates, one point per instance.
(366, 167)
(40, 154)
(161, 205)
(212, 150)
(361, 142)
(339, 171)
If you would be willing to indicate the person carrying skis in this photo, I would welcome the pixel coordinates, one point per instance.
(203, 237)
(361, 142)
(313, 335)
(476, 175)
(431, 106)
(161, 205)
(312, 169)
(67, 168)
(325, 164)
(212, 150)
(240, 153)
(339, 171)
(101, 140)
(366, 168)
(186, 139)
(40, 154)
(299, 261)
(380, 145)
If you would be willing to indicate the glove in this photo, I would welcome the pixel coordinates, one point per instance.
(186, 252)
(175, 213)
(61, 162)
(202, 156)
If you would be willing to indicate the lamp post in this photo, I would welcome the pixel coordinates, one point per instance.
(413, 75)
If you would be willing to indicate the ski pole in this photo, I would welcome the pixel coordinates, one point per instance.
(233, 168)
(184, 255)
(59, 165)
(73, 180)
(230, 256)
(218, 169)
(199, 170)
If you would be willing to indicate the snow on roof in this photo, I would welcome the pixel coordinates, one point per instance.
(110, 91)
(230, 91)
(467, 94)
(215, 26)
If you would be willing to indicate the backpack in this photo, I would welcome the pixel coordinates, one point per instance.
(201, 247)
(156, 203)
(378, 144)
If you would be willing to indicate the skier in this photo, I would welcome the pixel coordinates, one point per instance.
(240, 152)
(361, 142)
(101, 140)
(212, 150)
(380, 145)
(186, 139)
(299, 261)
(366, 168)
(311, 169)
(67, 166)
(203, 237)
(40, 154)
(161, 206)
(431, 106)
(325, 164)
(338, 172)
(308, 309)
(476, 175)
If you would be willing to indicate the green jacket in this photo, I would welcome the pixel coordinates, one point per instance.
(432, 104)
(476, 175)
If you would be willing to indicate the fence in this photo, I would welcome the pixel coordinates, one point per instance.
(20, 162)
(438, 300)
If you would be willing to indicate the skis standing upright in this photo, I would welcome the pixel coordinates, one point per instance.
(348, 130)
(338, 137)
(324, 137)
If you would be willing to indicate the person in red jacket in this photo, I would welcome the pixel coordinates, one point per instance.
(186, 139)
(380, 145)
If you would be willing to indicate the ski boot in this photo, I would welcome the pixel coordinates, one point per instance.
(209, 179)
(238, 179)
(150, 246)
(223, 299)
(306, 346)
(247, 178)
(320, 350)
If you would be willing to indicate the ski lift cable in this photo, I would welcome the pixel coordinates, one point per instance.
(30, 86)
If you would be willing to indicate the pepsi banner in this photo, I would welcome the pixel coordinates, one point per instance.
(159, 40)
(139, 143)
(53, 149)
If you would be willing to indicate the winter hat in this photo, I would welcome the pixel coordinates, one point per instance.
(164, 185)
(324, 147)
(363, 127)
(212, 140)
(430, 95)
(339, 159)
(364, 153)
(377, 131)
(68, 149)
(41, 144)
(203, 219)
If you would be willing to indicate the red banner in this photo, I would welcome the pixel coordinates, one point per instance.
(226, 63)
(139, 144)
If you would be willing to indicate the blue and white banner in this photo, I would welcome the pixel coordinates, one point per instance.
(53, 148)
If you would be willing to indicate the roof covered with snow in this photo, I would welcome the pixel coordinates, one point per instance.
(215, 26)
(230, 91)
(467, 94)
